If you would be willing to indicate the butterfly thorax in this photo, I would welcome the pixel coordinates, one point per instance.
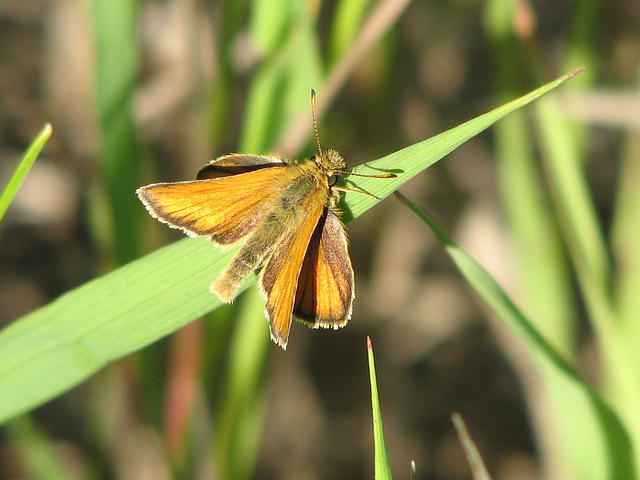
(330, 163)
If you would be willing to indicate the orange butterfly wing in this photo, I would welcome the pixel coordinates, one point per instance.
(325, 293)
(279, 277)
(226, 207)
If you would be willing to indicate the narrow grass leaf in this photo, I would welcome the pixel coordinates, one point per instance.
(592, 428)
(382, 470)
(410, 161)
(625, 241)
(305, 65)
(478, 468)
(574, 202)
(269, 22)
(347, 20)
(263, 114)
(27, 161)
(116, 30)
(236, 449)
(589, 252)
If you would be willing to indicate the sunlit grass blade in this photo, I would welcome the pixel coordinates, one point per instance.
(577, 211)
(269, 21)
(348, 17)
(382, 470)
(624, 244)
(581, 411)
(537, 207)
(544, 275)
(27, 161)
(261, 107)
(585, 238)
(57, 346)
(275, 92)
(625, 241)
(478, 468)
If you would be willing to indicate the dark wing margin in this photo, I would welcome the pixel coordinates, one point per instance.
(235, 164)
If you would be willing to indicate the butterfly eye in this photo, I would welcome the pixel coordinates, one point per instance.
(333, 179)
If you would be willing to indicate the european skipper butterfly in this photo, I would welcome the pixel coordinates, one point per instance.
(283, 213)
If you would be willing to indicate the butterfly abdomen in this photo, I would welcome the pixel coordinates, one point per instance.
(249, 258)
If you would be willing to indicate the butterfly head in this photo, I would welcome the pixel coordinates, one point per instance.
(330, 162)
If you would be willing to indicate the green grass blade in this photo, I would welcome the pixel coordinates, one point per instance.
(589, 252)
(625, 241)
(544, 276)
(275, 93)
(117, 71)
(596, 438)
(547, 290)
(578, 214)
(36, 452)
(625, 237)
(382, 470)
(269, 21)
(61, 344)
(348, 18)
(28, 159)
(305, 64)
(476, 463)
(236, 449)
(262, 113)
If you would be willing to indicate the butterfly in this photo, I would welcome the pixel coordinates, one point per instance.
(284, 216)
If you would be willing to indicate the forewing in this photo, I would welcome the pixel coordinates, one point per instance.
(325, 286)
(279, 277)
(226, 208)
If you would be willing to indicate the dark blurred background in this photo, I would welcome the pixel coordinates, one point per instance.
(194, 65)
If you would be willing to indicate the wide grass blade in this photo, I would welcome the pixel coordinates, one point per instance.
(61, 344)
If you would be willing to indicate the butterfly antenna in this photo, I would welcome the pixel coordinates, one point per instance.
(315, 119)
